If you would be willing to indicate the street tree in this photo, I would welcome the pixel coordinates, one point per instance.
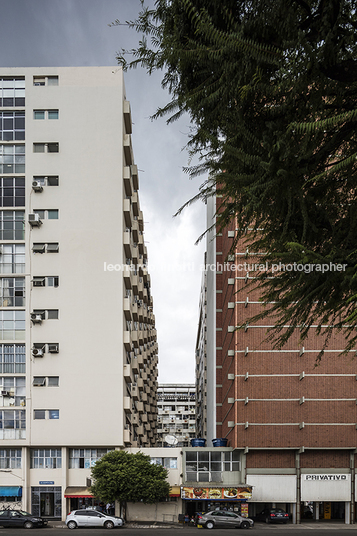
(271, 92)
(126, 477)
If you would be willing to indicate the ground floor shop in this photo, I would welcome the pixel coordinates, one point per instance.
(310, 495)
(204, 499)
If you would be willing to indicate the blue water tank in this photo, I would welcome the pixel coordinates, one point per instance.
(198, 442)
(220, 442)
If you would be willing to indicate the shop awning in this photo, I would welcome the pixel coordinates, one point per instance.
(175, 491)
(10, 491)
(73, 492)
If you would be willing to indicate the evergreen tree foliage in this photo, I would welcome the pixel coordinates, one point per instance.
(271, 90)
(127, 477)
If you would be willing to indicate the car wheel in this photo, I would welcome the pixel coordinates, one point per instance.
(109, 525)
(72, 525)
(209, 525)
(28, 525)
(245, 525)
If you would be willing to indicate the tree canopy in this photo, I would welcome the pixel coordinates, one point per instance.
(271, 90)
(127, 477)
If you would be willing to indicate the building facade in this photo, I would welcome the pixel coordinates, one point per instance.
(176, 414)
(293, 421)
(78, 343)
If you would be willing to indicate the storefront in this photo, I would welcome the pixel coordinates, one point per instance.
(233, 499)
(46, 501)
(328, 494)
(10, 495)
(79, 497)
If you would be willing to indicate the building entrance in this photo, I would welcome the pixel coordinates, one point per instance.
(46, 501)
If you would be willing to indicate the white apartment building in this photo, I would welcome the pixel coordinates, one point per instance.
(78, 349)
(176, 414)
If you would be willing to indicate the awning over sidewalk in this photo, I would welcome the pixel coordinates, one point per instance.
(72, 492)
(175, 491)
(10, 491)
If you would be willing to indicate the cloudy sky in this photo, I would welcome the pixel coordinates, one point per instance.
(76, 32)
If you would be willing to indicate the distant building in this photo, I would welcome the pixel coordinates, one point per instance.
(176, 413)
(201, 363)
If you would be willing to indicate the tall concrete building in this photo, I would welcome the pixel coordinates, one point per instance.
(78, 351)
(293, 422)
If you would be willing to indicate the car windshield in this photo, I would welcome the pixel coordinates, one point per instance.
(277, 511)
(22, 513)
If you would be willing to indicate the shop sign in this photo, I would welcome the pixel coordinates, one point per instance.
(325, 477)
(212, 494)
(244, 509)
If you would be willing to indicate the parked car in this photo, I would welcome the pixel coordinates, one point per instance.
(92, 518)
(273, 515)
(221, 518)
(19, 518)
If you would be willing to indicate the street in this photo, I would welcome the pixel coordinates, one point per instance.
(260, 529)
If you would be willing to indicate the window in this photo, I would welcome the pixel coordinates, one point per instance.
(48, 180)
(51, 147)
(12, 126)
(12, 424)
(45, 80)
(12, 225)
(12, 358)
(46, 459)
(12, 92)
(12, 291)
(12, 191)
(206, 466)
(12, 325)
(12, 159)
(12, 260)
(41, 247)
(45, 114)
(10, 458)
(13, 390)
(49, 314)
(168, 463)
(85, 458)
(50, 214)
(42, 381)
(39, 414)
(50, 281)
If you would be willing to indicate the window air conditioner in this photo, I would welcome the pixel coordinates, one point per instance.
(5, 393)
(53, 348)
(37, 352)
(36, 318)
(37, 186)
(34, 220)
(39, 282)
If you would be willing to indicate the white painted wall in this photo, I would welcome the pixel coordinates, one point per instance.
(273, 488)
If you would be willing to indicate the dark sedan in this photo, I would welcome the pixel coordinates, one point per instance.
(19, 518)
(273, 515)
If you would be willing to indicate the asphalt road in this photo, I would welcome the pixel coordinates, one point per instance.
(260, 529)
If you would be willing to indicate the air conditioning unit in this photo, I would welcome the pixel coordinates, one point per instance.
(37, 352)
(53, 348)
(37, 186)
(39, 282)
(34, 220)
(5, 393)
(36, 318)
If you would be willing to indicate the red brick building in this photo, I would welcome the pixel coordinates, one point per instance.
(293, 420)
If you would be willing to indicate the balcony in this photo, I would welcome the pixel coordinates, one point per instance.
(127, 436)
(127, 181)
(135, 365)
(140, 407)
(127, 373)
(134, 176)
(135, 338)
(127, 404)
(135, 231)
(134, 282)
(141, 360)
(135, 392)
(127, 244)
(127, 340)
(127, 308)
(127, 117)
(140, 383)
(127, 212)
(128, 150)
(135, 204)
(127, 276)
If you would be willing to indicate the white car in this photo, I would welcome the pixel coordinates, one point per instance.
(92, 518)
